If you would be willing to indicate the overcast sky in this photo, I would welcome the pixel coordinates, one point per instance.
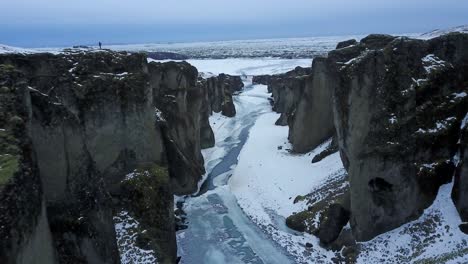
(58, 22)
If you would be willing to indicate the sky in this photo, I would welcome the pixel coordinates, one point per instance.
(42, 23)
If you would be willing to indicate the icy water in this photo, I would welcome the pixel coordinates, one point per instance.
(218, 230)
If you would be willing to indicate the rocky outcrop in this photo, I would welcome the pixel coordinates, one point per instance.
(89, 120)
(161, 55)
(24, 228)
(180, 101)
(399, 110)
(286, 89)
(329, 149)
(346, 43)
(460, 188)
(262, 79)
(312, 122)
(219, 93)
(398, 106)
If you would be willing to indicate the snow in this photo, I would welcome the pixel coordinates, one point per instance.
(439, 126)
(260, 48)
(245, 66)
(433, 238)
(440, 32)
(393, 119)
(125, 229)
(431, 63)
(464, 122)
(459, 95)
(37, 91)
(229, 236)
(267, 179)
(4, 49)
(159, 115)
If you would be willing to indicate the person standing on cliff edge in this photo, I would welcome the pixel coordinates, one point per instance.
(100, 45)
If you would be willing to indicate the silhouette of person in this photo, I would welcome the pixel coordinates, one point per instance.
(100, 45)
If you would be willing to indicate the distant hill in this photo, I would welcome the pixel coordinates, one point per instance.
(8, 49)
(439, 32)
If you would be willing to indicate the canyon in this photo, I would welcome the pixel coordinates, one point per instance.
(316, 163)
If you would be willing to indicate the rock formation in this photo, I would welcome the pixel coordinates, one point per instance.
(219, 93)
(398, 107)
(399, 110)
(286, 90)
(180, 100)
(24, 228)
(87, 136)
(312, 122)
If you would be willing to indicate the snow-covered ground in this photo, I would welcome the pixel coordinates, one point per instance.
(439, 32)
(264, 181)
(218, 230)
(249, 66)
(126, 229)
(259, 48)
(268, 178)
(9, 49)
(433, 238)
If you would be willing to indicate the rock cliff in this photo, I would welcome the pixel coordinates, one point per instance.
(399, 110)
(24, 228)
(286, 89)
(90, 137)
(312, 122)
(219, 93)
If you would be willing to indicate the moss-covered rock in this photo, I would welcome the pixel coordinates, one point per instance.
(9, 164)
(146, 195)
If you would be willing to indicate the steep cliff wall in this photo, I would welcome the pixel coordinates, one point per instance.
(105, 135)
(286, 89)
(460, 188)
(98, 117)
(219, 93)
(312, 121)
(398, 108)
(24, 227)
(400, 113)
(181, 100)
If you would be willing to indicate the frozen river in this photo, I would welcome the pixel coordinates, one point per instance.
(218, 230)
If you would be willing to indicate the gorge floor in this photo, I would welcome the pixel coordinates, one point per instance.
(218, 230)
(224, 229)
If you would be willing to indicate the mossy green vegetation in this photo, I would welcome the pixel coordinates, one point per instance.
(147, 192)
(461, 253)
(9, 159)
(8, 166)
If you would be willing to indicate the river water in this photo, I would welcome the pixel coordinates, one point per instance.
(218, 230)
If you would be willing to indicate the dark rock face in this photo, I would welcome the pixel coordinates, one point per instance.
(179, 98)
(152, 208)
(262, 79)
(346, 43)
(96, 117)
(312, 122)
(460, 188)
(336, 217)
(219, 93)
(287, 90)
(330, 149)
(166, 56)
(398, 105)
(24, 228)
